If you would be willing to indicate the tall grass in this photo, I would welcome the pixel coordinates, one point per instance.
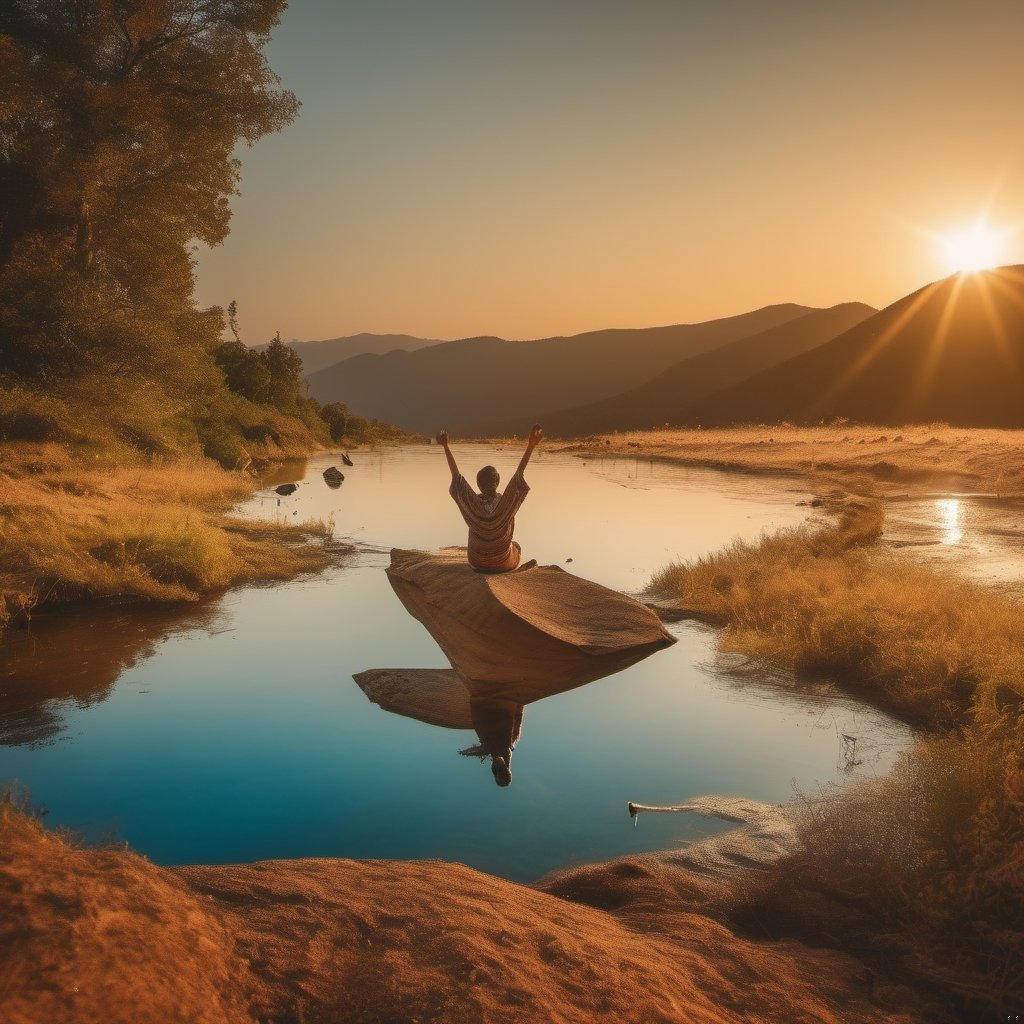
(922, 643)
(156, 532)
(921, 872)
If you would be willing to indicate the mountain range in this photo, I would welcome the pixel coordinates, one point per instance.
(952, 351)
(662, 399)
(317, 355)
(486, 385)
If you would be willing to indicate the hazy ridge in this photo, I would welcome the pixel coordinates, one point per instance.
(316, 355)
(663, 399)
(468, 386)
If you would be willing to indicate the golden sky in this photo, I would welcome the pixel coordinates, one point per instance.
(528, 169)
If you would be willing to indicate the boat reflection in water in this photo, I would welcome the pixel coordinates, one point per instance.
(512, 638)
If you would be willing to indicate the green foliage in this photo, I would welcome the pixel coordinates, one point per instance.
(308, 410)
(245, 371)
(336, 416)
(285, 369)
(345, 425)
(117, 133)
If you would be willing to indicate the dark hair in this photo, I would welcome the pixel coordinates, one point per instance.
(487, 473)
(501, 771)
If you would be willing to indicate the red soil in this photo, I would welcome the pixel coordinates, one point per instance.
(91, 935)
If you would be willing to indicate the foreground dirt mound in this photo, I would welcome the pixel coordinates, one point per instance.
(101, 936)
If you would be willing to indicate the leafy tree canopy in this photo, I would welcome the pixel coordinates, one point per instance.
(118, 121)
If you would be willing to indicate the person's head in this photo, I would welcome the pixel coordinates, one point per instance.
(501, 771)
(487, 480)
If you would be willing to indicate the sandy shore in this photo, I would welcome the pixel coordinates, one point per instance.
(880, 460)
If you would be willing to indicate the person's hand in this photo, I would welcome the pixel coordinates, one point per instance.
(535, 435)
(442, 438)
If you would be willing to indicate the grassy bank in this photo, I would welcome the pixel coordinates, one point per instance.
(83, 523)
(863, 458)
(924, 870)
(924, 644)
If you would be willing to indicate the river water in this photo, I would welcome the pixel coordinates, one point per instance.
(232, 731)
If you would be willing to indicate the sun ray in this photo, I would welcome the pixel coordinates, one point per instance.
(986, 286)
(1007, 292)
(918, 391)
(1007, 295)
(876, 347)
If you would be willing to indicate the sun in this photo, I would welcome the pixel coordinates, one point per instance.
(975, 247)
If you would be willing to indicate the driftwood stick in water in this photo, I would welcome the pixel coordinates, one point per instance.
(727, 808)
(635, 809)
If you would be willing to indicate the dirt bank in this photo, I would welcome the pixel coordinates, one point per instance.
(103, 935)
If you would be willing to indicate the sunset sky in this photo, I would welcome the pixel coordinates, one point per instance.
(536, 168)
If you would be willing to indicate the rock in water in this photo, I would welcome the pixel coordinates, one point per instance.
(333, 476)
(346, 459)
(436, 696)
(526, 634)
(285, 489)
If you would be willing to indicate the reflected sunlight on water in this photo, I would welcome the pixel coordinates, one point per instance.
(949, 517)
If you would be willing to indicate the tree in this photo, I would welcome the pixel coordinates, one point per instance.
(285, 367)
(245, 371)
(336, 416)
(117, 128)
(232, 317)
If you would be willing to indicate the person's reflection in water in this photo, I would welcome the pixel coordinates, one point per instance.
(499, 724)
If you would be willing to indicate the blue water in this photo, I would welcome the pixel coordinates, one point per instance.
(234, 732)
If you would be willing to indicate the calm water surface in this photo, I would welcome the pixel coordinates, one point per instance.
(234, 732)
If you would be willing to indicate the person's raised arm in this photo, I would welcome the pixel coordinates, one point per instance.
(535, 435)
(442, 439)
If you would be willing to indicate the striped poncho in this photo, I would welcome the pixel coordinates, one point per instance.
(491, 523)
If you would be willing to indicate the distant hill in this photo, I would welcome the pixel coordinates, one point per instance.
(665, 398)
(466, 386)
(952, 352)
(319, 354)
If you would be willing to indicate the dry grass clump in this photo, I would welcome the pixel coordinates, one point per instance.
(916, 641)
(921, 872)
(70, 531)
(126, 418)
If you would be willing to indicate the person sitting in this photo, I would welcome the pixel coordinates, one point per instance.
(490, 515)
